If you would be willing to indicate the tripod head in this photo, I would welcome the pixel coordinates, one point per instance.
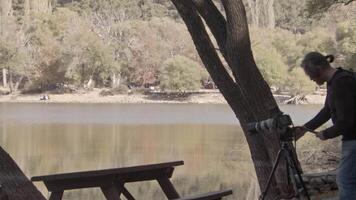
(288, 134)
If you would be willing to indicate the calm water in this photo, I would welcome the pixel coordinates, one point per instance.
(57, 138)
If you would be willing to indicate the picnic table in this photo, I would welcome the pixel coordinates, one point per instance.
(112, 181)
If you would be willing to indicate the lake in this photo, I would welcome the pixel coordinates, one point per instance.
(56, 138)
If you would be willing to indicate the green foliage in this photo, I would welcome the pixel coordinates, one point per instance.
(320, 6)
(346, 40)
(142, 46)
(124, 9)
(290, 15)
(352, 62)
(12, 54)
(18, 7)
(7, 53)
(85, 40)
(298, 83)
(271, 65)
(286, 44)
(279, 56)
(45, 52)
(180, 73)
(318, 39)
(90, 57)
(64, 48)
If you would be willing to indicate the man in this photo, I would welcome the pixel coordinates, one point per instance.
(340, 106)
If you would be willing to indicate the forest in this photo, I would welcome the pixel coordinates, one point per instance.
(63, 45)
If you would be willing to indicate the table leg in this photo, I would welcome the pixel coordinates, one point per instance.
(56, 195)
(127, 194)
(168, 188)
(111, 192)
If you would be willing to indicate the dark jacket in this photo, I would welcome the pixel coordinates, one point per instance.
(340, 106)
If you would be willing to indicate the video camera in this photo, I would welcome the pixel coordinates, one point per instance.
(280, 122)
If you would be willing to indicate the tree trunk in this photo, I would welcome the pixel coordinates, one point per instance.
(268, 14)
(5, 12)
(6, 7)
(90, 83)
(18, 84)
(4, 77)
(11, 85)
(262, 13)
(247, 93)
(254, 12)
(115, 80)
(14, 184)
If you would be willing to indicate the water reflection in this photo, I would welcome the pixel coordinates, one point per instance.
(56, 138)
(215, 156)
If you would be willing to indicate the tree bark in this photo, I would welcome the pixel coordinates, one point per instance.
(90, 83)
(262, 13)
(6, 7)
(246, 92)
(14, 184)
(115, 80)
(11, 85)
(215, 20)
(268, 16)
(18, 84)
(256, 91)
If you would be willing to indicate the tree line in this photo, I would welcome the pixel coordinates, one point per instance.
(119, 44)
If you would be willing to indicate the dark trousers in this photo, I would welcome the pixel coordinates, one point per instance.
(346, 177)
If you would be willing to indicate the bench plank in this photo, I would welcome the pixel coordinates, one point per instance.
(106, 172)
(88, 182)
(209, 196)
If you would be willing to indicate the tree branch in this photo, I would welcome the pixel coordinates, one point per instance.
(348, 2)
(214, 19)
(319, 6)
(211, 59)
(240, 59)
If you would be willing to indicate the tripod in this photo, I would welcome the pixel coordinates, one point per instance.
(292, 169)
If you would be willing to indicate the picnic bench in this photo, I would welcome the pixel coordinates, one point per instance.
(112, 181)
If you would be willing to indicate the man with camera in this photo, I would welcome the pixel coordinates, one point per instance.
(340, 106)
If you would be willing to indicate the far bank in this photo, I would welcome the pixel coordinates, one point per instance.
(95, 96)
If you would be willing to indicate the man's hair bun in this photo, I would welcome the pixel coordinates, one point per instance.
(330, 58)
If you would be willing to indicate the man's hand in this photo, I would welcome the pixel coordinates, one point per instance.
(299, 131)
(320, 135)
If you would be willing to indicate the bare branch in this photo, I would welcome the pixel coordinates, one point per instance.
(348, 2)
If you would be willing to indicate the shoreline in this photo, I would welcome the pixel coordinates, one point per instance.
(212, 97)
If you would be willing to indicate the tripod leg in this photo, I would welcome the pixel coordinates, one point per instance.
(293, 165)
(275, 165)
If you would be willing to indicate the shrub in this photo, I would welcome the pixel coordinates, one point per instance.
(121, 89)
(298, 83)
(271, 65)
(180, 73)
